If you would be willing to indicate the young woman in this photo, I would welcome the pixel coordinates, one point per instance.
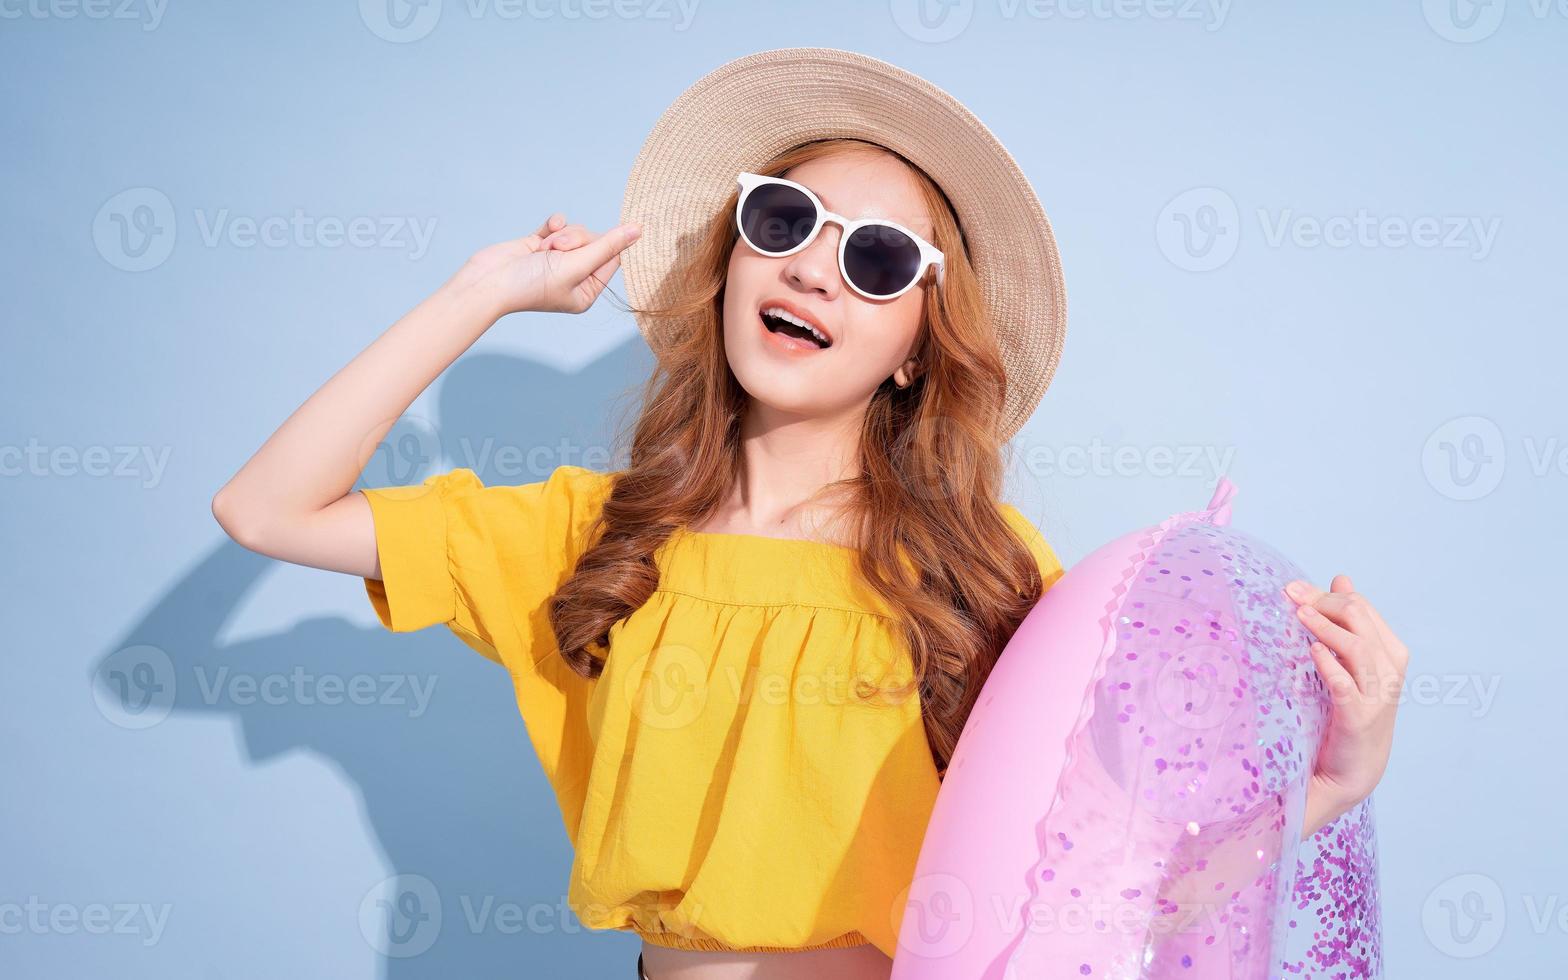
(745, 657)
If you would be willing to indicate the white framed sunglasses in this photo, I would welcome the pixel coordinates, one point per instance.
(879, 259)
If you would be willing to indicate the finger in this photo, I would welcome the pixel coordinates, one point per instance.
(552, 223)
(1336, 605)
(590, 288)
(603, 274)
(1384, 631)
(1330, 604)
(1350, 610)
(1353, 611)
(1341, 685)
(1358, 617)
(1300, 590)
(1356, 613)
(1342, 641)
(532, 241)
(580, 262)
(568, 237)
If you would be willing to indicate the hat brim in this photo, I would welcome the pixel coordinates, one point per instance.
(749, 110)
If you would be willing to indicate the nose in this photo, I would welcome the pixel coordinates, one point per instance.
(815, 267)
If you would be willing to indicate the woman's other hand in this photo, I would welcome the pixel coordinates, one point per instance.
(1362, 663)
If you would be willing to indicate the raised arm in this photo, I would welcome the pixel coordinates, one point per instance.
(294, 500)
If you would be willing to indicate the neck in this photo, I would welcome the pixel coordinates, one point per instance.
(786, 459)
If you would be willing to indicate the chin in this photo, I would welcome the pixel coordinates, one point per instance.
(796, 393)
(787, 384)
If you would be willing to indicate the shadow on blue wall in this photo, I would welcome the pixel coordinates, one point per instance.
(453, 795)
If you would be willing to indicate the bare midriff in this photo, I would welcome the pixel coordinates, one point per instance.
(858, 960)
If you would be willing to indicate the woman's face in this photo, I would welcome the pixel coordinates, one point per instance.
(791, 381)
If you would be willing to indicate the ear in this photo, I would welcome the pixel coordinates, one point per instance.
(907, 372)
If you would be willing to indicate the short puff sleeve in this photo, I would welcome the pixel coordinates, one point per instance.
(485, 561)
(482, 560)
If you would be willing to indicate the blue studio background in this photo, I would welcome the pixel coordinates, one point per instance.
(1317, 249)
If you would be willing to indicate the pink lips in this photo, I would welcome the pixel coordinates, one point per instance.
(786, 344)
(785, 304)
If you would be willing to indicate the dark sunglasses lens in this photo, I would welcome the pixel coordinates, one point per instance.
(776, 217)
(881, 260)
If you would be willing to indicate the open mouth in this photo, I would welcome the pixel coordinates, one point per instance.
(782, 322)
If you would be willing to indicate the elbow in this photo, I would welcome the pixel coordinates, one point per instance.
(240, 523)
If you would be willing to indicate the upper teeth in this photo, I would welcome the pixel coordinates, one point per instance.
(783, 314)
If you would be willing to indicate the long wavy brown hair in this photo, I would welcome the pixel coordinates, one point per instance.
(931, 470)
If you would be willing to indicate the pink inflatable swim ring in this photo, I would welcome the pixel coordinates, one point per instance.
(1126, 799)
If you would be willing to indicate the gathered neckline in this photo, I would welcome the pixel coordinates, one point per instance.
(739, 569)
(739, 538)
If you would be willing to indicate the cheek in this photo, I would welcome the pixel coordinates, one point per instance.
(730, 309)
(889, 331)
(739, 281)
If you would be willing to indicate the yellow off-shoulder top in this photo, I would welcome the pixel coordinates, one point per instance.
(738, 777)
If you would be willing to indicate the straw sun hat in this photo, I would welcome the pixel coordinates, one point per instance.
(743, 113)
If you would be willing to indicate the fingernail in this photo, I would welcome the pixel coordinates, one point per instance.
(633, 230)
